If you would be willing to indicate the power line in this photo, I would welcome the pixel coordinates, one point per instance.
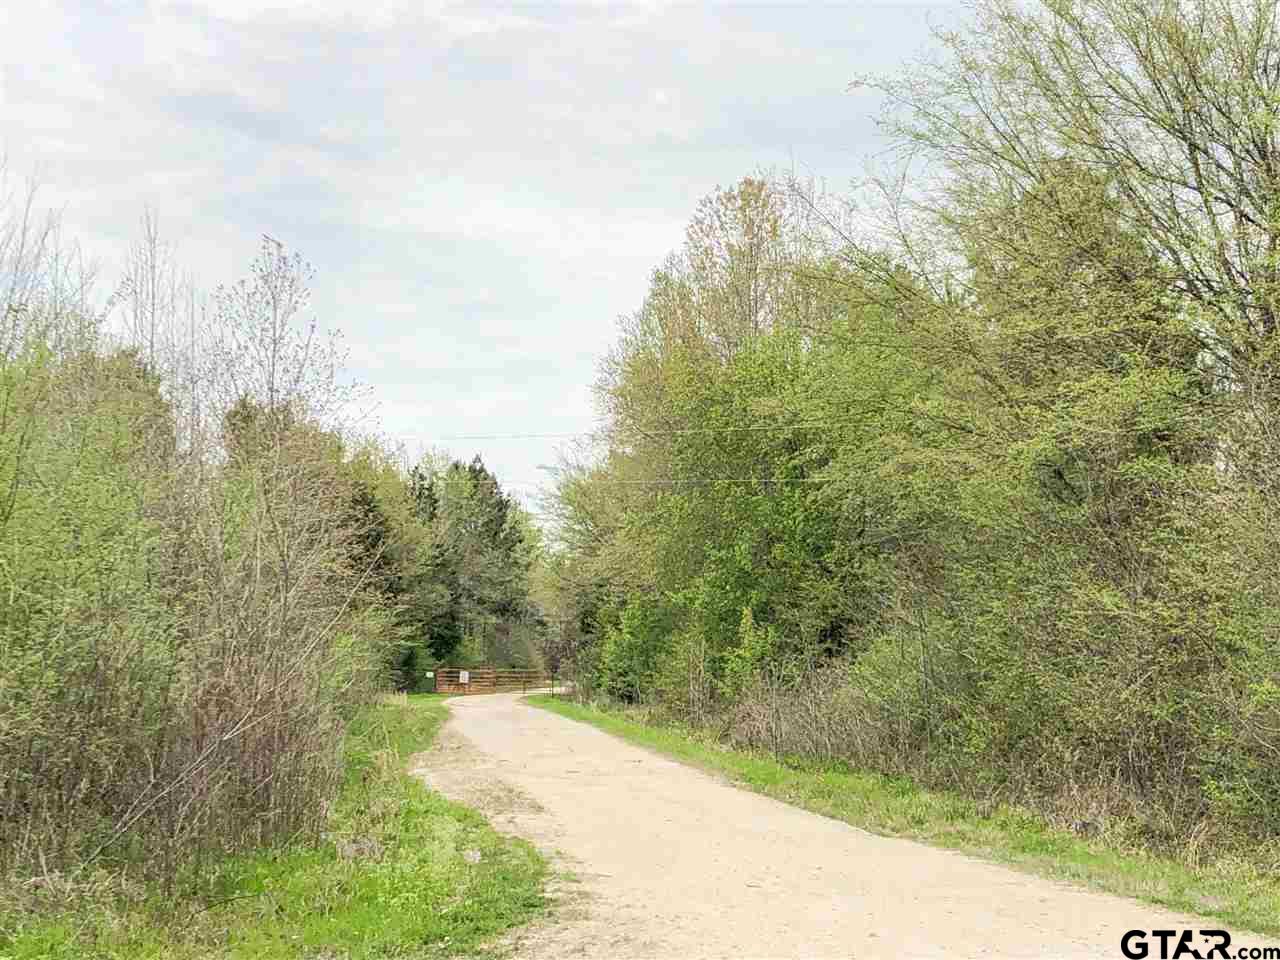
(666, 481)
(673, 481)
(798, 425)
(513, 436)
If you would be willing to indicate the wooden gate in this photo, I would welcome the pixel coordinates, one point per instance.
(489, 680)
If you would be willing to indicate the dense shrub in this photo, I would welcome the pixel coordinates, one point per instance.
(203, 578)
(986, 496)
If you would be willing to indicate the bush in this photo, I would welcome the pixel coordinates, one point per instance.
(184, 633)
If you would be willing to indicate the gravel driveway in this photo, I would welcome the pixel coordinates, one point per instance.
(666, 861)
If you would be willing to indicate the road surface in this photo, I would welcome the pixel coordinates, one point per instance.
(667, 861)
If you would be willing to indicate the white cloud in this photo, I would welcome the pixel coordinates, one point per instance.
(483, 189)
(458, 20)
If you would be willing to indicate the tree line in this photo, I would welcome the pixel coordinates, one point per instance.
(971, 476)
(206, 571)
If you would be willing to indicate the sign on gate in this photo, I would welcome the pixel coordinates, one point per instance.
(487, 679)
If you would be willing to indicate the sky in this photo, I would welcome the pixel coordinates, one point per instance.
(482, 190)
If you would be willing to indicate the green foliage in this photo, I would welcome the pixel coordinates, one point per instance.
(86, 633)
(464, 594)
(1242, 894)
(995, 511)
(203, 578)
(633, 648)
(744, 662)
(400, 872)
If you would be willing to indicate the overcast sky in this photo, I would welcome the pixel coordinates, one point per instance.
(482, 190)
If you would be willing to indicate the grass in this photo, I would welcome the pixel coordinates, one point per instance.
(1238, 892)
(431, 880)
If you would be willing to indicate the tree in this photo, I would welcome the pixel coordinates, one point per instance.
(1174, 106)
(470, 581)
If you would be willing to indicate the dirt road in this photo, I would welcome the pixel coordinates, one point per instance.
(671, 862)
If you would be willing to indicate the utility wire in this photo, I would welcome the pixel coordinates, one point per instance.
(670, 481)
(664, 482)
(798, 425)
(709, 480)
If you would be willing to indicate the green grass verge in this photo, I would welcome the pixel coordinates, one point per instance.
(1240, 892)
(432, 879)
